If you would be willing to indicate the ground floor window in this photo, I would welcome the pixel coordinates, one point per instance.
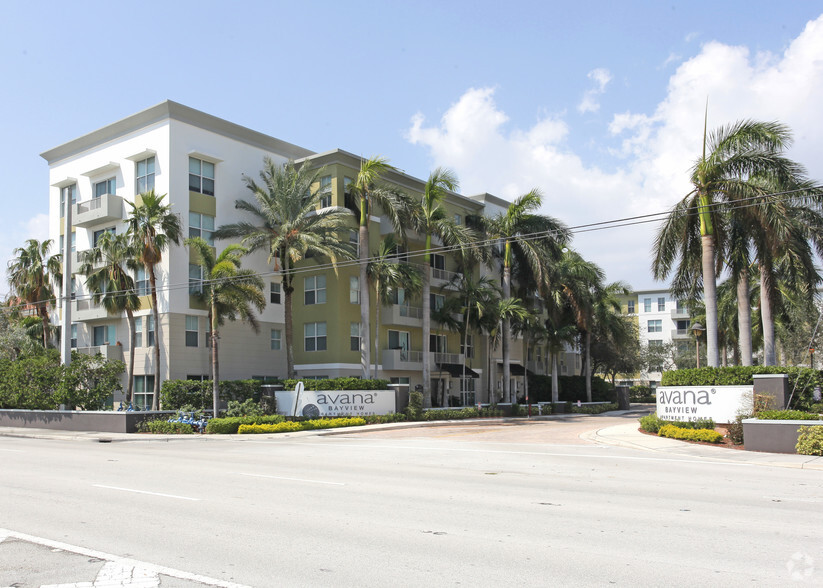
(468, 394)
(401, 380)
(143, 392)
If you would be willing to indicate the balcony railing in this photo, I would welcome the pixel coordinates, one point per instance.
(107, 351)
(405, 359)
(680, 313)
(680, 333)
(84, 309)
(106, 208)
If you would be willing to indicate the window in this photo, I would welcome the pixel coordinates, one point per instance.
(655, 326)
(143, 392)
(74, 288)
(104, 187)
(67, 191)
(74, 336)
(401, 380)
(144, 177)
(647, 305)
(655, 343)
(195, 279)
(398, 296)
(201, 225)
(201, 176)
(630, 307)
(437, 301)
(208, 333)
(192, 330)
(314, 336)
(73, 242)
(354, 336)
(95, 236)
(103, 335)
(198, 377)
(138, 331)
(438, 261)
(437, 343)
(661, 304)
(150, 342)
(354, 240)
(276, 337)
(458, 220)
(325, 191)
(468, 350)
(315, 290)
(274, 292)
(354, 289)
(346, 182)
(400, 340)
(141, 282)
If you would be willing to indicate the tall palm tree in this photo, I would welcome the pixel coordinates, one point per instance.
(288, 226)
(478, 298)
(32, 275)
(153, 227)
(229, 292)
(517, 229)
(389, 275)
(396, 207)
(108, 268)
(731, 156)
(432, 220)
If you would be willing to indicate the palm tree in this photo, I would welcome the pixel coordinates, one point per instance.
(153, 227)
(478, 298)
(389, 274)
(432, 220)
(514, 228)
(396, 207)
(229, 292)
(289, 227)
(31, 276)
(731, 156)
(108, 268)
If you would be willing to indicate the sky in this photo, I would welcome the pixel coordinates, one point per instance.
(599, 105)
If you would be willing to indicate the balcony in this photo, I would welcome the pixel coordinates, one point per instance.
(86, 310)
(403, 359)
(105, 209)
(680, 333)
(402, 314)
(107, 351)
(680, 313)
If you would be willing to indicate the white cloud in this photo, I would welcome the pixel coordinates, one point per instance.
(653, 151)
(601, 78)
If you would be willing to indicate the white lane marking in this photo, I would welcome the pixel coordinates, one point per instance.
(293, 479)
(145, 492)
(146, 567)
(12, 450)
(573, 455)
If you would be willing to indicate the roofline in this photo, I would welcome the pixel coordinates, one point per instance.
(179, 112)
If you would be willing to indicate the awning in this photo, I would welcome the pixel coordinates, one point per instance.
(455, 370)
(515, 369)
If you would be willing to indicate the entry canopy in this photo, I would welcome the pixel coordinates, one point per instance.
(455, 370)
(516, 369)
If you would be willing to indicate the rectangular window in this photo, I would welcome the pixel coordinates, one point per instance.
(150, 342)
(74, 288)
(398, 296)
(73, 242)
(438, 261)
(354, 336)
(325, 191)
(192, 330)
(314, 290)
(401, 380)
(437, 301)
(201, 225)
(201, 176)
(274, 292)
(141, 282)
(630, 307)
(468, 350)
(95, 238)
(144, 177)
(104, 187)
(354, 240)
(208, 333)
(354, 289)
(647, 305)
(143, 392)
(655, 326)
(103, 335)
(458, 220)
(656, 343)
(195, 279)
(275, 339)
(70, 192)
(661, 304)
(138, 331)
(400, 340)
(74, 336)
(437, 343)
(314, 336)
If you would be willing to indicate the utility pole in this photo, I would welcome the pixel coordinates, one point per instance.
(65, 323)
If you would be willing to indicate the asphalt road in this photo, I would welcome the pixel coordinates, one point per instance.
(528, 505)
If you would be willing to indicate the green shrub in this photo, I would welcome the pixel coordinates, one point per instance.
(734, 431)
(810, 440)
(787, 415)
(651, 423)
(593, 408)
(339, 384)
(229, 426)
(415, 408)
(240, 390)
(706, 435)
(164, 427)
(284, 427)
(380, 419)
(490, 411)
(248, 408)
(518, 410)
(450, 414)
(817, 407)
(641, 394)
(310, 425)
(174, 394)
(546, 409)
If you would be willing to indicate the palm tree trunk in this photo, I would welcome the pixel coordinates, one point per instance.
(155, 399)
(526, 369)
(588, 366)
(710, 299)
(555, 381)
(133, 342)
(288, 291)
(427, 319)
(769, 354)
(44, 317)
(489, 381)
(507, 329)
(215, 364)
(465, 346)
(377, 331)
(365, 314)
(744, 318)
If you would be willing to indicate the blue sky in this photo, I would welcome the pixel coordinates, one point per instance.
(599, 104)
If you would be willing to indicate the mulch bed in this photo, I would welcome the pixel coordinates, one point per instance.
(726, 442)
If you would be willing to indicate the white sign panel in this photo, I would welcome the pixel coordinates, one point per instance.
(333, 403)
(722, 404)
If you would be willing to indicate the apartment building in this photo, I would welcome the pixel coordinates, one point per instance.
(199, 162)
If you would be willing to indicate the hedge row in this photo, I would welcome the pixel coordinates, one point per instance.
(570, 389)
(593, 408)
(787, 415)
(653, 423)
(175, 394)
(292, 426)
(229, 426)
(708, 435)
(810, 441)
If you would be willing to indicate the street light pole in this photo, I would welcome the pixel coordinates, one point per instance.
(697, 329)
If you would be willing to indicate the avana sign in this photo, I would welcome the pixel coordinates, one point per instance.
(722, 404)
(329, 403)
